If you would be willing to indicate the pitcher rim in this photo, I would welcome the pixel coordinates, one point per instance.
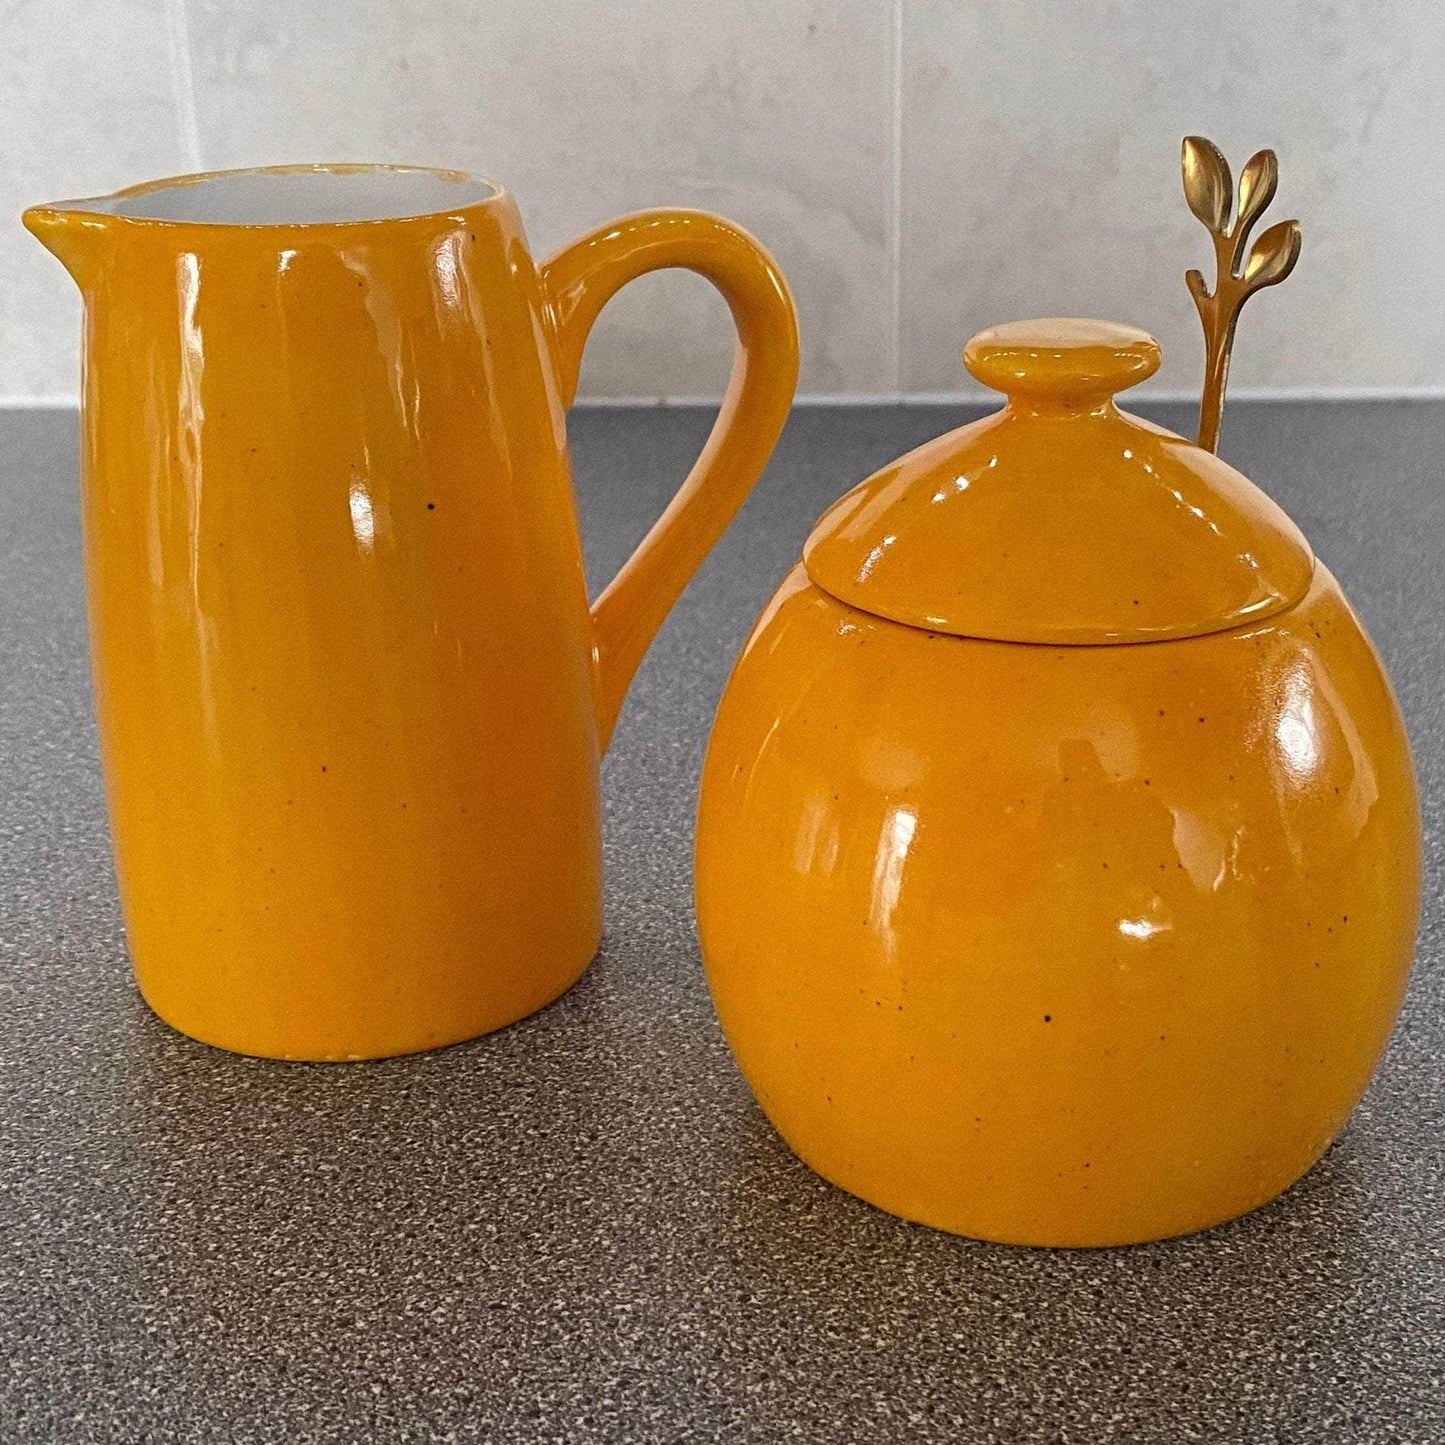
(489, 192)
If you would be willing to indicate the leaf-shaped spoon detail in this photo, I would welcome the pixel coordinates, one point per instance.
(1207, 184)
(1209, 190)
(1258, 182)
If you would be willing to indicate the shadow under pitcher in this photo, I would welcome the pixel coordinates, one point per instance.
(351, 694)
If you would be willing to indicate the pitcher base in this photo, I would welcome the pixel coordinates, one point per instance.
(382, 1039)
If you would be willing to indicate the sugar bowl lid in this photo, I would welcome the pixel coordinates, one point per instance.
(1061, 519)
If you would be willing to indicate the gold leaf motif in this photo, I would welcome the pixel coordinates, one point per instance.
(1238, 273)
(1208, 186)
(1258, 182)
(1273, 256)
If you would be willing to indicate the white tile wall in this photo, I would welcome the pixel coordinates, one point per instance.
(88, 101)
(920, 168)
(1041, 177)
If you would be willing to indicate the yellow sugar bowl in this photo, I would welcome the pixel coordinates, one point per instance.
(1058, 853)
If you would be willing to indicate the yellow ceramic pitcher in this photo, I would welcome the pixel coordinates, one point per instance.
(351, 695)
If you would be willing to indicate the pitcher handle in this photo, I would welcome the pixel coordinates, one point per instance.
(576, 283)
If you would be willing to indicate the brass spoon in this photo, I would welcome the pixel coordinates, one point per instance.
(1209, 190)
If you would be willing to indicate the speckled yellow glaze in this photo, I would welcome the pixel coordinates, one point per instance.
(1058, 944)
(350, 692)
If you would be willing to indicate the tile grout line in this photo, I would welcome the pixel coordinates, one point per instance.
(178, 33)
(895, 231)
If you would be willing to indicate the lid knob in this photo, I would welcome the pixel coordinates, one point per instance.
(1062, 359)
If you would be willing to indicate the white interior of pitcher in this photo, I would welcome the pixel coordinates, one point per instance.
(300, 196)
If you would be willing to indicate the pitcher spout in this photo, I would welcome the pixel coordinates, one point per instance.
(75, 235)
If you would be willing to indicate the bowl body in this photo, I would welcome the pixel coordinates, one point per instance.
(1058, 945)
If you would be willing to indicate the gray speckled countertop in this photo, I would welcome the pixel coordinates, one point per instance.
(581, 1228)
